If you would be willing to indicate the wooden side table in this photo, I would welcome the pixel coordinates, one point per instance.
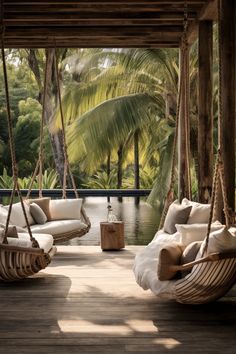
(112, 235)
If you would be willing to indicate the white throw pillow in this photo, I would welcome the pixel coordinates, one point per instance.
(195, 232)
(222, 240)
(65, 209)
(17, 216)
(199, 213)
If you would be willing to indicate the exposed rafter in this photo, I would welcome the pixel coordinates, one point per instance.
(100, 23)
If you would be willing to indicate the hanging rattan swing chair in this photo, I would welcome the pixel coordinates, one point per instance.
(212, 275)
(17, 262)
(81, 231)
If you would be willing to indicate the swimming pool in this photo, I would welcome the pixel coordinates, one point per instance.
(140, 220)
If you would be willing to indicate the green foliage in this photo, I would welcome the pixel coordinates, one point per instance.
(27, 135)
(49, 181)
(102, 181)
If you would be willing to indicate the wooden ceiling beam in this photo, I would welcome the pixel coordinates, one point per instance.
(99, 22)
(208, 12)
(167, 16)
(90, 44)
(105, 2)
(93, 32)
(131, 23)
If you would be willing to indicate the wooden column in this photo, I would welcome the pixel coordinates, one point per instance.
(205, 112)
(183, 133)
(227, 53)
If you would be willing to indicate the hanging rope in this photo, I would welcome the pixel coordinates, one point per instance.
(12, 152)
(219, 176)
(183, 87)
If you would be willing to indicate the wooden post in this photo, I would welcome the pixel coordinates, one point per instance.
(227, 52)
(183, 133)
(205, 112)
(136, 164)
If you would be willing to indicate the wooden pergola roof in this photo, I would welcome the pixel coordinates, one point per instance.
(100, 23)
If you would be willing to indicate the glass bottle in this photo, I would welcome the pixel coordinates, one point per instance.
(110, 216)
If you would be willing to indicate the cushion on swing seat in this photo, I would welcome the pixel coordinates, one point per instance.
(190, 252)
(177, 214)
(195, 232)
(17, 216)
(45, 241)
(43, 203)
(169, 255)
(37, 213)
(56, 227)
(63, 209)
(222, 240)
(200, 212)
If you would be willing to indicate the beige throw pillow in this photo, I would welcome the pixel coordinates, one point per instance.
(38, 214)
(177, 214)
(43, 203)
(168, 256)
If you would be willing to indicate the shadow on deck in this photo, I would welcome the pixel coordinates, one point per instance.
(88, 301)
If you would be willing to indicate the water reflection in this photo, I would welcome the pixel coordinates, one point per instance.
(141, 220)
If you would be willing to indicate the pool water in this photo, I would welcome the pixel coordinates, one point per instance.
(140, 220)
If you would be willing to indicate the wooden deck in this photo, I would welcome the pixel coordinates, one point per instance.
(87, 301)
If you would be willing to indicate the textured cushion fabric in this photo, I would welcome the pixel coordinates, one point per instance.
(18, 228)
(190, 252)
(45, 241)
(19, 242)
(177, 214)
(145, 265)
(17, 216)
(3, 215)
(169, 255)
(37, 213)
(44, 205)
(62, 209)
(12, 230)
(222, 240)
(57, 227)
(195, 232)
(1, 234)
(200, 212)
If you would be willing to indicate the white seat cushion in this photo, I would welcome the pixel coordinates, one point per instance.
(45, 241)
(56, 227)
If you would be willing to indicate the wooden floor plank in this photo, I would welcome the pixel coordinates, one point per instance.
(87, 301)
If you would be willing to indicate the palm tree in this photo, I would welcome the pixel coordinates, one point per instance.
(127, 92)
